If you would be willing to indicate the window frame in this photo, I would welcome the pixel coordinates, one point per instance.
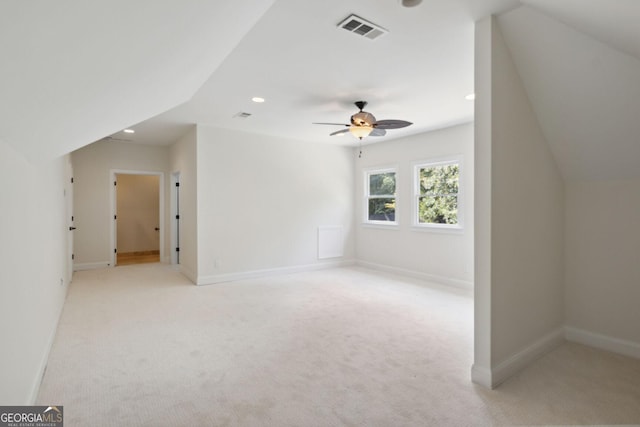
(435, 162)
(367, 188)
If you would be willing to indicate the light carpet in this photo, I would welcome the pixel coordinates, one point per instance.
(141, 346)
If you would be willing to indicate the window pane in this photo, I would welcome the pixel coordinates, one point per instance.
(382, 209)
(382, 184)
(438, 210)
(439, 180)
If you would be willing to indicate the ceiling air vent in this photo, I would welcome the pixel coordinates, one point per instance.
(242, 115)
(362, 27)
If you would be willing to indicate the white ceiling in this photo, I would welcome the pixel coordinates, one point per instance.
(583, 81)
(76, 71)
(309, 70)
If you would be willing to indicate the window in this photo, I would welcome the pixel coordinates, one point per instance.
(380, 195)
(437, 191)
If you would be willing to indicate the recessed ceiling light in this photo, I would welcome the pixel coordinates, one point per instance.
(470, 97)
(257, 99)
(129, 131)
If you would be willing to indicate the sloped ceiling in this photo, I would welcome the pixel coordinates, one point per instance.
(309, 70)
(74, 71)
(580, 64)
(613, 22)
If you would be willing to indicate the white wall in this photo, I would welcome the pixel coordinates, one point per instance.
(183, 159)
(481, 370)
(92, 193)
(33, 273)
(262, 199)
(138, 212)
(603, 263)
(446, 256)
(520, 200)
(135, 60)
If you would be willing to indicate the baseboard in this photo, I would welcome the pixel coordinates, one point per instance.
(604, 342)
(91, 265)
(456, 283)
(481, 376)
(189, 274)
(44, 360)
(232, 277)
(523, 358)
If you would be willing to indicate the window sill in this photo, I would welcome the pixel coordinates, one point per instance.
(381, 226)
(438, 229)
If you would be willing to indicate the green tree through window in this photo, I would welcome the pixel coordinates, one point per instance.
(438, 194)
(381, 199)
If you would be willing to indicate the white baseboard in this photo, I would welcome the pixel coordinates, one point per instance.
(232, 277)
(456, 283)
(492, 378)
(523, 358)
(44, 360)
(189, 274)
(91, 265)
(481, 376)
(604, 342)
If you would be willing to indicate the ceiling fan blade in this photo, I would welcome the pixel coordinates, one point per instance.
(339, 132)
(378, 132)
(392, 124)
(333, 124)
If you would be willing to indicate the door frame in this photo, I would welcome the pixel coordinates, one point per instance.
(69, 209)
(114, 208)
(174, 221)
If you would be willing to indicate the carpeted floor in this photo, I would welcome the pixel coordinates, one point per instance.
(141, 346)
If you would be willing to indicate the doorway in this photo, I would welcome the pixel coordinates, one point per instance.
(137, 217)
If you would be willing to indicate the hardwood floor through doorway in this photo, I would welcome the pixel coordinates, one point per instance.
(142, 257)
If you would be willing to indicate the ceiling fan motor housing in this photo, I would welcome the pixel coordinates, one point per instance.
(363, 119)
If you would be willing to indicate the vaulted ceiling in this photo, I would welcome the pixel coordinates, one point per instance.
(309, 70)
(75, 71)
(580, 64)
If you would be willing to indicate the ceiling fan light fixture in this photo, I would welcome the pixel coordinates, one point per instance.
(360, 131)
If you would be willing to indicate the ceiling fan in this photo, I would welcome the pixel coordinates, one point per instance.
(365, 124)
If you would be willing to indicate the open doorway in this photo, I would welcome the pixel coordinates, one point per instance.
(137, 219)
